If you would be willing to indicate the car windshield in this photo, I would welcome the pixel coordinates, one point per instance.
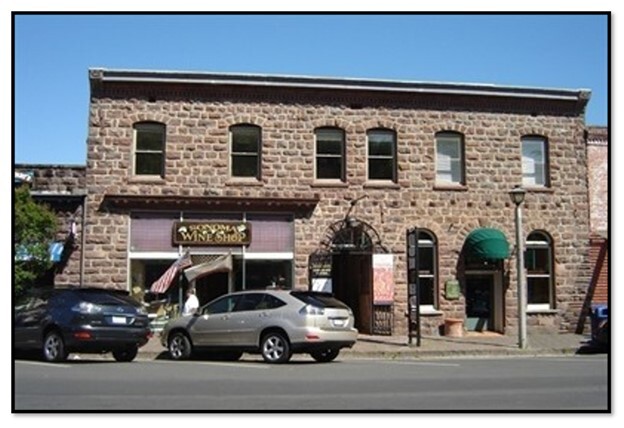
(320, 300)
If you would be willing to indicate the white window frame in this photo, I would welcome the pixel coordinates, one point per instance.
(441, 174)
(430, 243)
(534, 171)
(546, 243)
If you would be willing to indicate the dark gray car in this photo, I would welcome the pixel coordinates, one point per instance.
(86, 320)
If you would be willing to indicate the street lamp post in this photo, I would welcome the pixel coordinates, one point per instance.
(517, 197)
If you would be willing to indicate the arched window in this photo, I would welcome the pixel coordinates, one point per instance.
(149, 148)
(449, 158)
(428, 269)
(538, 262)
(382, 154)
(330, 154)
(535, 161)
(245, 150)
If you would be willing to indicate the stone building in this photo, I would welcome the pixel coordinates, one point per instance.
(598, 181)
(62, 188)
(309, 182)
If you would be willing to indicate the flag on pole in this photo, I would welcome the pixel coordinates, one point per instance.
(162, 284)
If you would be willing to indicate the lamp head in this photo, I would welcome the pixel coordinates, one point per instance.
(517, 195)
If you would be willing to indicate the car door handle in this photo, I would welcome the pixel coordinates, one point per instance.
(263, 314)
(225, 317)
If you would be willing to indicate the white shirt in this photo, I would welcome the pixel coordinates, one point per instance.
(191, 305)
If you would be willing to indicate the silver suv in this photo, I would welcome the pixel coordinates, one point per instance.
(274, 323)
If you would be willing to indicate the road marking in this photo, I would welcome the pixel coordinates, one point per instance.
(422, 363)
(218, 363)
(42, 363)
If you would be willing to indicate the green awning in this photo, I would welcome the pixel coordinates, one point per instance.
(487, 244)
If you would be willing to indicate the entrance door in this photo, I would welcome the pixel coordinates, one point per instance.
(352, 284)
(480, 302)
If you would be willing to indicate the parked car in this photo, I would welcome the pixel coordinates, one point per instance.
(600, 332)
(61, 321)
(274, 323)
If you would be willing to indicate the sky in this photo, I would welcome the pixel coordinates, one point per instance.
(53, 52)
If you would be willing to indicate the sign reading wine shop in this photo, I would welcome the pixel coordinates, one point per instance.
(208, 233)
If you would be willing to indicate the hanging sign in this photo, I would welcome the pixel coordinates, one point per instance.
(383, 278)
(209, 233)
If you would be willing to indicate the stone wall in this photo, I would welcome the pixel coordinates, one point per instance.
(197, 160)
(598, 177)
(62, 188)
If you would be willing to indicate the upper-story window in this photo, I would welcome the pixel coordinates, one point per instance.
(538, 262)
(149, 148)
(381, 154)
(535, 161)
(449, 158)
(330, 154)
(245, 151)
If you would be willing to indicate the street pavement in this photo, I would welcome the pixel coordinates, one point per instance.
(471, 344)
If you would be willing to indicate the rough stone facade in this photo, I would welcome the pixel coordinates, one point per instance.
(598, 181)
(62, 188)
(197, 120)
(598, 177)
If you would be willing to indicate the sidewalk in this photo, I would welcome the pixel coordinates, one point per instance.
(471, 345)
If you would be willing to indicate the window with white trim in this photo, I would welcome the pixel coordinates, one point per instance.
(449, 158)
(538, 262)
(245, 149)
(149, 149)
(534, 161)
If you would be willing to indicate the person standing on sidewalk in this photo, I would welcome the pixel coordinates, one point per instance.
(192, 303)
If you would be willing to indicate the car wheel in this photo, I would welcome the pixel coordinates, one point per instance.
(54, 347)
(125, 354)
(179, 346)
(325, 355)
(275, 348)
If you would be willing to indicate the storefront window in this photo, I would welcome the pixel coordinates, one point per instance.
(260, 274)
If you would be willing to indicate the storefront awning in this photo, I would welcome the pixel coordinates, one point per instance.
(487, 244)
(220, 264)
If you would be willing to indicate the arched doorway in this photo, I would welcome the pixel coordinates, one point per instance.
(343, 265)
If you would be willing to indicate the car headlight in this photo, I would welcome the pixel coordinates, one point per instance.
(87, 308)
(141, 311)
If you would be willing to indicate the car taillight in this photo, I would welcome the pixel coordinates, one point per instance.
(311, 310)
(82, 335)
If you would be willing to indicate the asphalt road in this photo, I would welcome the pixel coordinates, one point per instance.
(570, 383)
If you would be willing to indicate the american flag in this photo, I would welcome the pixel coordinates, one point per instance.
(162, 284)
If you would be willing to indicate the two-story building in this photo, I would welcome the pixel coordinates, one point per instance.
(313, 182)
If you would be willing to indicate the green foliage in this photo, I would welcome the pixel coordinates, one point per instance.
(34, 226)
